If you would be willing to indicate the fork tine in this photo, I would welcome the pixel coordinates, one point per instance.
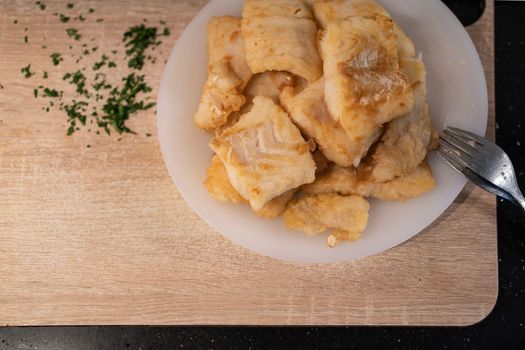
(454, 151)
(459, 141)
(466, 134)
(450, 160)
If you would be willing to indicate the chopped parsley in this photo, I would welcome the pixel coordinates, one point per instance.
(51, 92)
(70, 5)
(137, 39)
(35, 93)
(101, 63)
(45, 75)
(73, 33)
(26, 71)
(41, 5)
(123, 102)
(79, 80)
(63, 18)
(56, 58)
(25, 39)
(91, 10)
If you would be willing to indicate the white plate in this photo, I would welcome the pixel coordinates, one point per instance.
(457, 96)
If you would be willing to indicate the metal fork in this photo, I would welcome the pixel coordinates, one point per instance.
(482, 162)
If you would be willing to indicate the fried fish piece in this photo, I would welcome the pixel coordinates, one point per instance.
(335, 10)
(269, 84)
(270, 8)
(364, 86)
(314, 214)
(345, 181)
(308, 111)
(218, 184)
(219, 187)
(277, 40)
(264, 153)
(228, 73)
(275, 207)
(406, 139)
(321, 163)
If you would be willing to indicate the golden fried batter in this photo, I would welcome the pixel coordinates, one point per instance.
(269, 84)
(218, 184)
(281, 36)
(309, 112)
(264, 153)
(314, 214)
(406, 139)
(364, 86)
(228, 73)
(345, 181)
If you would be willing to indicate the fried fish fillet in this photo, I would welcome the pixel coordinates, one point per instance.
(264, 153)
(406, 139)
(335, 10)
(228, 73)
(269, 84)
(275, 207)
(308, 111)
(279, 40)
(218, 184)
(364, 86)
(314, 214)
(219, 187)
(345, 181)
(270, 8)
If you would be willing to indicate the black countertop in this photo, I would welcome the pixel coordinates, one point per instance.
(504, 328)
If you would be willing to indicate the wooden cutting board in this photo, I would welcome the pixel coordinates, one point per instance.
(100, 235)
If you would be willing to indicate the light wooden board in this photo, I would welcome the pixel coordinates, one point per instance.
(100, 235)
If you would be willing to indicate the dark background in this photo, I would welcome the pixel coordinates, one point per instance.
(503, 328)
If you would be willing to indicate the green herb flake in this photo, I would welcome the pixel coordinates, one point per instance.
(73, 33)
(162, 22)
(79, 80)
(45, 75)
(26, 71)
(100, 20)
(41, 5)
(91, 10)
(56, 58)
(51, 92)
(25, 39)
(63, 18)
(137, 39)
(148, 134)
(70, 5)
(166, 32)
(101, 63)
(81, 18)
(35, 93)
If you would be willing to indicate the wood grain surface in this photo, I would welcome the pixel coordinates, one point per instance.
(100, 235)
